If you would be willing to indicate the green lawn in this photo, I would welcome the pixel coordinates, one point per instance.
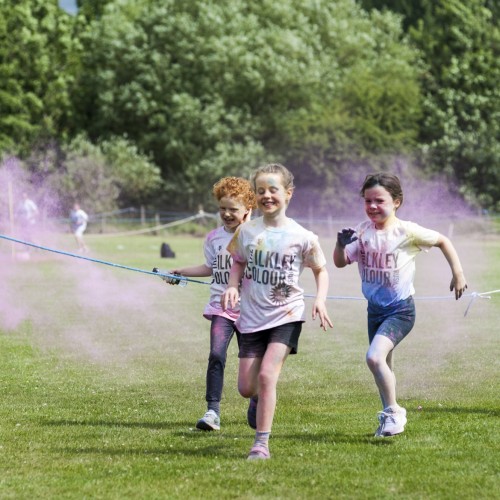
(103, 378)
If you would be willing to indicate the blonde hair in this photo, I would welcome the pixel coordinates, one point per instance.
(275, 168)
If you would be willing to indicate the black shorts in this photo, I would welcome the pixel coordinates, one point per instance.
(254, 345)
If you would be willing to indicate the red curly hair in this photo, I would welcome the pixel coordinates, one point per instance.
(235, 187)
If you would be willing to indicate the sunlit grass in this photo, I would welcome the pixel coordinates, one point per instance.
(100, 398)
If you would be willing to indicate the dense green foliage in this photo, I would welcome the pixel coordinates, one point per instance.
(203, 89)
(214, 88)
(35, 72)
(102, 175)
(460, 130)
(91, 9)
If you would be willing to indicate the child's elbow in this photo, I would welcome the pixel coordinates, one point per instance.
(443, 242)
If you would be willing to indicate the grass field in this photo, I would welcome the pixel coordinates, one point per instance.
(102, 376)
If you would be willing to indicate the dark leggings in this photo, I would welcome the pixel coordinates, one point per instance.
(221, 333)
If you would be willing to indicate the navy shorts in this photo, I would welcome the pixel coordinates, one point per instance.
(394, 322)
(254, 345)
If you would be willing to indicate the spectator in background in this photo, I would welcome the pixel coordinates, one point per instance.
(28, 218)
(79, 219)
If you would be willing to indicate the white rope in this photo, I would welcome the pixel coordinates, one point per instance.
(473, 296)
(157, 228)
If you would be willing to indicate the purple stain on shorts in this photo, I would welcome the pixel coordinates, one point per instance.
(394, 322)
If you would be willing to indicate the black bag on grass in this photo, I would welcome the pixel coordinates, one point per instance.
(166, 252)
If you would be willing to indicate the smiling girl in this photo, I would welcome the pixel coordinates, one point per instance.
(269, 254)
(236, 200)
(385, 248)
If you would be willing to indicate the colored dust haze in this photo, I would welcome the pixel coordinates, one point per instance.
(110, 315)
(89, 310)
(430, 202)
(441, 331)
(63, 302)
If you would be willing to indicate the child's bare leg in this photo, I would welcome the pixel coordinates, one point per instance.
(79, 242)
(259, 377)
(379, 360)
(272, 363)
(248, 372)
(390, 364)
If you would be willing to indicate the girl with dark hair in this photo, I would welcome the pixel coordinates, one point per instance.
(385, 248)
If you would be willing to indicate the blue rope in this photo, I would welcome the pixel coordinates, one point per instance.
(98, 261)
(183, 280)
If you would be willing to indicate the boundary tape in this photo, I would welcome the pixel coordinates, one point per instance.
(99, 261)
(473, 295)
(156, 228)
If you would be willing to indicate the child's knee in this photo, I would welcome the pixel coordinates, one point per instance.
(373, 360)
(247, 387)
(267, 378)
(246, 391)
(217, 357)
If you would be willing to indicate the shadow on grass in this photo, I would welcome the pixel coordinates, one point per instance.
(489, 412)
(188, 429)
(201, 443)
(223, 450)
(340, 438)
(109, 423)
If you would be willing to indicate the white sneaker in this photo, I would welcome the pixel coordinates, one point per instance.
(391, 422)
(209, 422)
(381, 419)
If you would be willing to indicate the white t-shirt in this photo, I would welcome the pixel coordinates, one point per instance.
(81, 217)
(78, 217)
(275, 257)
(29, 211)
(386, 259)
(219, 259)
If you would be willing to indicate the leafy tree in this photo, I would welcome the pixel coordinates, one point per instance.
(91, 9)
(35, 42)
(102, 176)
(77, 171)
(135, 175)
(460, 129)
(215, 88)
(412, 12)
(85, 177)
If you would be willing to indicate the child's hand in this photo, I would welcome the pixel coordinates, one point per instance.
(171, 280)
(229, 299)
(458, 284)
(346, 236)
(319, 309)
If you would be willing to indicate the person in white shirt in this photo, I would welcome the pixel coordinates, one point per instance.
(385, 248)
(79, 220)
(269, 254)
(236, 200)
(28, 217)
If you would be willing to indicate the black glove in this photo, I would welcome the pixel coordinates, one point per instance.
(345, 237)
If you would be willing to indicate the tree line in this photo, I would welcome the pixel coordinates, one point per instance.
(147, 102)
